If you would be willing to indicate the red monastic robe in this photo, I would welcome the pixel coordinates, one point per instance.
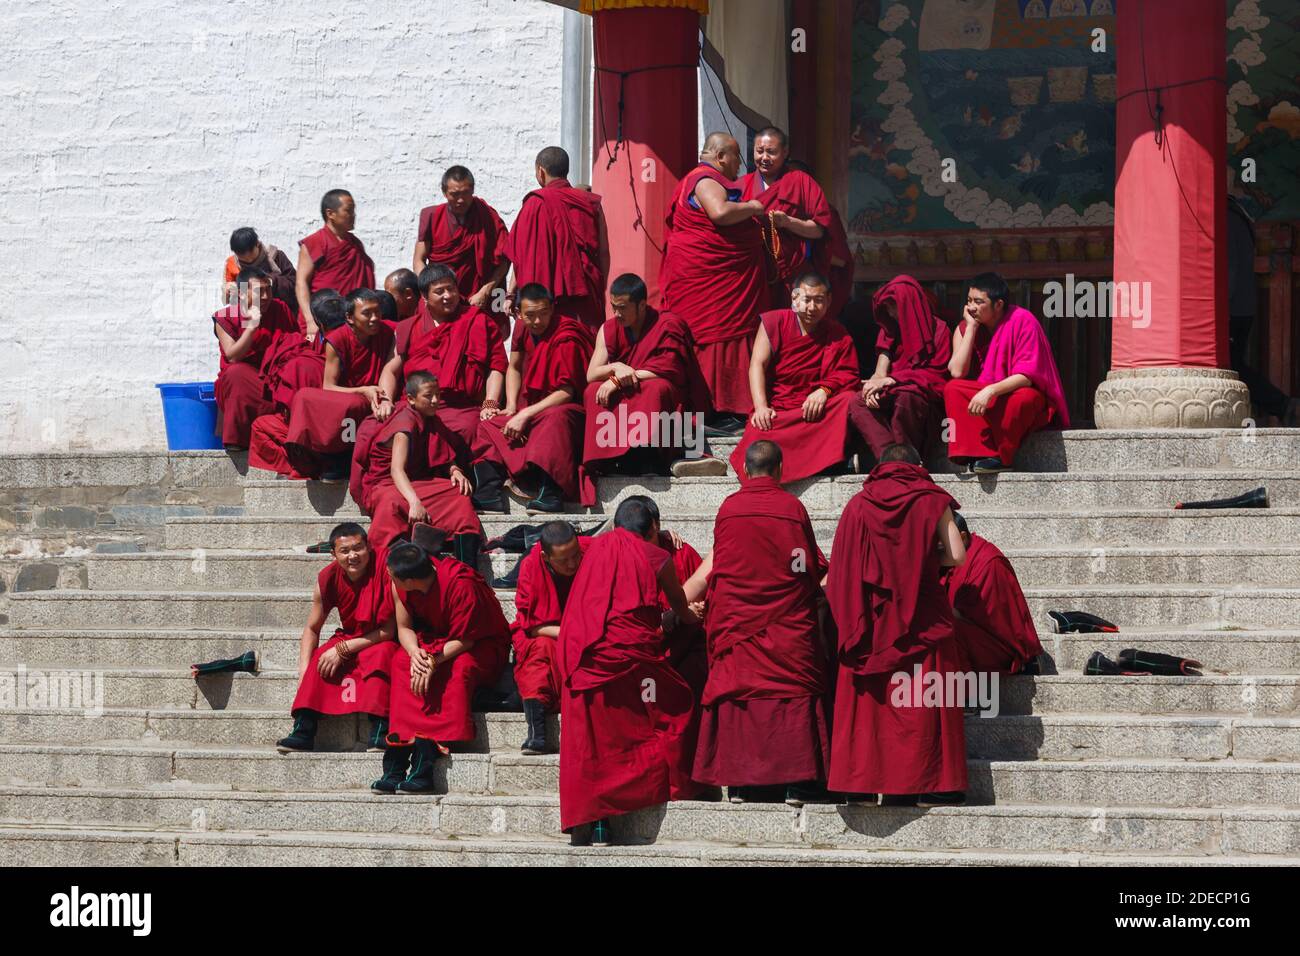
(472, 249)
(892, 615)
(317, 417)
(628, 726)
(556, 359)
(769, 667)
(428, 463)
(1017, 346)
(686, 646)
(995, 628)
(800, 363)
(714, 278)
(363, 606)
(919, 346)
(663, 348)
(540, 597)
(797, 194)
(462, 352)
(458, 606)
(555, 240)
(244, 388)
(341, 262)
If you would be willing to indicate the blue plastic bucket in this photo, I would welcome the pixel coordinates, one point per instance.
(190, 414)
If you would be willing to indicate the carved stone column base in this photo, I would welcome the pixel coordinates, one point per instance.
(1171, 398)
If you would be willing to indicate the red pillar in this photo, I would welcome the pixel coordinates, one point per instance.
(1170, 212)
(659, 141)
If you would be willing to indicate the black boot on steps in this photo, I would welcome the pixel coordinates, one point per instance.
(396, 761)
(548, 500)
(535, 714)
(465, 548)
(422, 761)
(489, 480)
(303, 737)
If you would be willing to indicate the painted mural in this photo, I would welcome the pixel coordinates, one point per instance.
(1015, 93)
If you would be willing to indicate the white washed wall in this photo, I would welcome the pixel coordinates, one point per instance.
(136, 135)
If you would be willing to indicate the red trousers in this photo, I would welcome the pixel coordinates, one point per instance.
(266, 447)
(448, 509)
(444, 714)
(905, 416)
(725, 367)
(537, 670)
(242, 395)
(360, 687)
(1000, 430)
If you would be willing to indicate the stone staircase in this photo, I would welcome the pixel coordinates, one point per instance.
(1074, 770)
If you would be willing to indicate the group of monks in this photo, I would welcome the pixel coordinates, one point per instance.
(761, 666)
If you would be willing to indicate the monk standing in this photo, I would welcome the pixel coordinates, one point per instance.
(412, 476)
(249, 252)
(713, 275)
(468, 236)
(802, 230)
(462, 346)
(454, 639)
(545, 579)
(323, 421)
(332, 257)
(769, 667)
(627, 717)
(894, 621)
(558, 240)
(639, 383)
(361, 650)
(536, 438)
(404, 286)
(803, 376)
(1004, 381)
(249, 333)
(994, 625)
(903, 399)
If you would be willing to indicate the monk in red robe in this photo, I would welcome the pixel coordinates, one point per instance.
(332, 257)
(803, 376)
(769, 666)
(404, 286)
(639, 392)
(895, 627)
(545, 579)
(462, 346)
(627, 717)
(249, 252)
(558, 240)
(412, 476)
(994, 625)
(468, 236)
(349, 673)
(903, 400)
(249, 332)
(713, 275)
(1004, 381)
(293, 364)
(454, 639)
(536, 438)
(323, 421)
(802, 230)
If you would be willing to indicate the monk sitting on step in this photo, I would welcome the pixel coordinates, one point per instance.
(412, 475)
(994, 625)
(1004, 381)
(349, 673)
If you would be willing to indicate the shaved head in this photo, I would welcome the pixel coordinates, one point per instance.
(763, 459)
(723, 153)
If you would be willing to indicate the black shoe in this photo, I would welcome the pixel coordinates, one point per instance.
(336, 468)
(949, 798)
(535, 715)
(898, 799)
(489, 480)
(303, 737)
(989, 466)
(548, 500)
(378, 731)
(600, 833)
(738, 795)
(581, 834)
(396, 761)
(1250, 499)
(1081, 622)
(422, 763)
(724, 426)
(320, 547)
(465, 548)
(1099, 665)
(250, 662)
(862, 799)
(809, 791)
